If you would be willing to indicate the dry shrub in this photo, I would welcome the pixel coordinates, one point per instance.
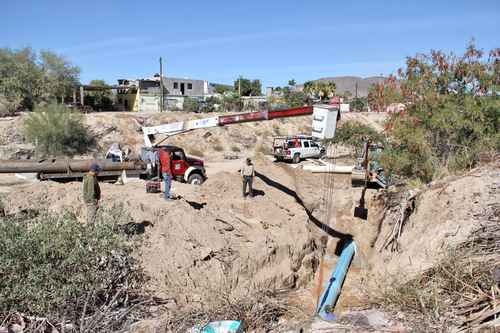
(55, 130)
(460, 290)
(59, 270)
(235, 149)
(263, 149)
(216, 144)
(305, 129)
(266, 133)
(276, 129)
(258, 307)
(196, 152)
(218, 147)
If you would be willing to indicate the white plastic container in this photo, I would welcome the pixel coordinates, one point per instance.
(324, 121)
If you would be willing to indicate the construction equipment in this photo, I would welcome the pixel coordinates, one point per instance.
(324, 123)
(186, 169)
(361, 211)
(368, 168)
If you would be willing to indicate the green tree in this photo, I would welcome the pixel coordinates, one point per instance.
(27, 78)
(354, 133)
(292, 82)
(347, 95)
(359, 104)
(295, 98)
(320, 89)
(256, 88)
(452, 113)
(99, 99)
(248, 87)
(60, 76)
(382, 94)
(222, 88)
(232, 102)
(211, 104)
(190, 105)
(20, 79)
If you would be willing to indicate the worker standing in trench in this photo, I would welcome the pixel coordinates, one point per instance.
(166, 172)
(91, 192)
(248, 172)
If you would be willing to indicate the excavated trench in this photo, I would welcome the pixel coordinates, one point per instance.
(211, 235)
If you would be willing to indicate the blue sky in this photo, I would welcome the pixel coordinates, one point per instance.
(270, 40)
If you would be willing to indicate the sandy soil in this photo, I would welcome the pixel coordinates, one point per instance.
(286, 236)
(210, 233)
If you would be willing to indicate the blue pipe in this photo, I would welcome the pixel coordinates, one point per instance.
(331, 294)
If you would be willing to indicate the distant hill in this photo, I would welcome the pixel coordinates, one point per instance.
(348, 83)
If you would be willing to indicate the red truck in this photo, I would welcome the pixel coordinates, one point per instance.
(184, 168)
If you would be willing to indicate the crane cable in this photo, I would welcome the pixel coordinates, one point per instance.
(329, 187)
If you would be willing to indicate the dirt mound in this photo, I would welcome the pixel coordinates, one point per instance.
(446, 213)
(210, 234)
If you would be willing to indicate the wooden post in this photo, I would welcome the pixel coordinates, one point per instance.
(81, 95)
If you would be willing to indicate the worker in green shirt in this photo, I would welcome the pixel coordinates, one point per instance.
(91, 192)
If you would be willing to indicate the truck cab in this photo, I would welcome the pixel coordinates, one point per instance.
(295, 148)
(184, 168)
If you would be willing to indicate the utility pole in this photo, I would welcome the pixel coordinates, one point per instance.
(161, 87)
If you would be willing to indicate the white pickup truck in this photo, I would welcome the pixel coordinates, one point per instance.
(295, 148)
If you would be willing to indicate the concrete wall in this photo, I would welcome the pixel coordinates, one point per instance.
(191, 87)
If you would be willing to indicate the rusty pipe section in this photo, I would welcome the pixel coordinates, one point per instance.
(65, 166)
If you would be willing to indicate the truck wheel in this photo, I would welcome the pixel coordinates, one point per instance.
(195, 179)
(296, 158)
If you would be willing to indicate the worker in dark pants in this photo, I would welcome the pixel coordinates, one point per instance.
(91, 192)
(247, 172)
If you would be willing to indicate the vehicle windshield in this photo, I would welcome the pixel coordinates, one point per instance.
(178, 155)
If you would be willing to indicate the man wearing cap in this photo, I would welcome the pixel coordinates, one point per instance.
(91, 192)
(247, 172)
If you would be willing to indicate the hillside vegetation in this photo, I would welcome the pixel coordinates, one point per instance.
(452, 114)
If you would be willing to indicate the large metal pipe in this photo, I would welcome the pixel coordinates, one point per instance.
(60, 166)
(332, 291)
(264, 115)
